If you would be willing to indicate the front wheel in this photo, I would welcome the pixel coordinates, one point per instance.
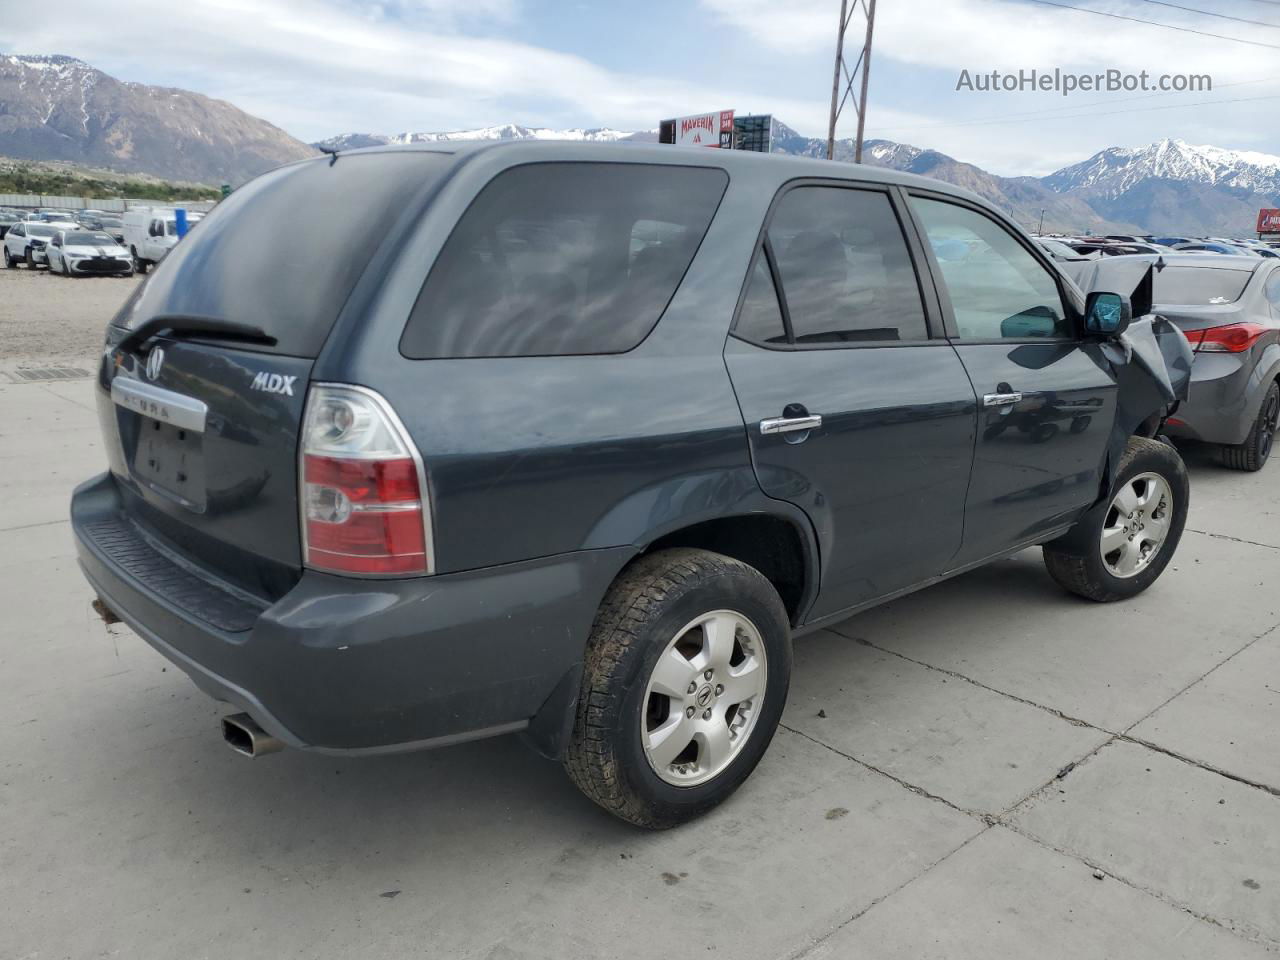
(9, 262)
(1253, 454)
(31, 259)
(686, 675)
(1121, 546)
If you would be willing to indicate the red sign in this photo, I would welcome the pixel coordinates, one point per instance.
(1269, 221)
(705, 130)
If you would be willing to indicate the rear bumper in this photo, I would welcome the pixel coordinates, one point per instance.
(1226, 393)
(343, 665)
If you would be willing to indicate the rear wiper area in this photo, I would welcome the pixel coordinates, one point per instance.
(203, 327)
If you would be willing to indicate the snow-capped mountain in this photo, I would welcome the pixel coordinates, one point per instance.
(1117, 169)
(507, 131)
(60, 108)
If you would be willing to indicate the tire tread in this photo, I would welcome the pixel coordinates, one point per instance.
(631, 603)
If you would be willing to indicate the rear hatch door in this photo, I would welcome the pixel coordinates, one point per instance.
(208, 362)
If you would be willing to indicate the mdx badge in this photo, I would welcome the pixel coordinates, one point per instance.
(155, 360)
(273, 383)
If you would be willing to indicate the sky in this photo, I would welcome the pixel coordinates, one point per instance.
(322, 67)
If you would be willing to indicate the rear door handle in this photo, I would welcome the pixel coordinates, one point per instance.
(790, 424)
(1000, 399)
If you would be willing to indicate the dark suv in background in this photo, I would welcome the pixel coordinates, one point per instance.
(572, 440)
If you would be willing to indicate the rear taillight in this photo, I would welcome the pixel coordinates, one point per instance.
(1233, 338)
(363, 490)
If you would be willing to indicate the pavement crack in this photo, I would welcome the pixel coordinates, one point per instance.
(1207, 767)
(905, 784)
(819, 941)
(1223, 536)
(1244, 931)
(30, 526)
(1075, 721)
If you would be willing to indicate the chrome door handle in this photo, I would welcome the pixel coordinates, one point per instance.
(1000, 399)
(790, 424)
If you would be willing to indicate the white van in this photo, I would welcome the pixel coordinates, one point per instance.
(150, 232)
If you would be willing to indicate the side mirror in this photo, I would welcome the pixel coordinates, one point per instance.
(1107, 314)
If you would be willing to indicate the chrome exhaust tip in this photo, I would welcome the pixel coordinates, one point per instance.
(244, 736)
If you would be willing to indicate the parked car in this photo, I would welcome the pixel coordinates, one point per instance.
(7, 220)
(1206, 247)
(84, 252)
(25, 242)
(1229, 308)
(150, 233)
(112, 225)
(480, 463)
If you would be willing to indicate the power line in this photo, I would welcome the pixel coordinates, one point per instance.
(1104, 113)
(1077, 106)
(1209, 13)
(1153, 23)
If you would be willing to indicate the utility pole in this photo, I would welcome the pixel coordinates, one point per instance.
(861, 72)
(1040, 230)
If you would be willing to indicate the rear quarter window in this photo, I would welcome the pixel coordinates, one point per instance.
(563, 258)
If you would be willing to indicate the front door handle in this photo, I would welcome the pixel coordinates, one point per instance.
(1000, 399)
(790, 424)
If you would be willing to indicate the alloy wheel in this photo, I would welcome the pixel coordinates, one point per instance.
(703, 698)
(1137, 525)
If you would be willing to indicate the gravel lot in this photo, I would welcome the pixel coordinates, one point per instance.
(987, 769)
(47, 319)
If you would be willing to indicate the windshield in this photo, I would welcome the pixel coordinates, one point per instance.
(1198, 286)
(88, 239)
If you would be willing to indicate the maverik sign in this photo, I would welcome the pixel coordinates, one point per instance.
(1269, 220)
(700, 130)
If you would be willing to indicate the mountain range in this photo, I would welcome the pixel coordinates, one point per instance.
(62, 109)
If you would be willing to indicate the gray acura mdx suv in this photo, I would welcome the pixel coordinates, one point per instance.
(572, 439)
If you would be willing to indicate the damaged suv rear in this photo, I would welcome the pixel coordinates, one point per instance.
(572, 440)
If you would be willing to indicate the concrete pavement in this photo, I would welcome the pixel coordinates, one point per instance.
(983, 748)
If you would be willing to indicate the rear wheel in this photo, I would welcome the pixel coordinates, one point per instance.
(139, 265)
(1256, 450)
(1121, 546)
(685, 678)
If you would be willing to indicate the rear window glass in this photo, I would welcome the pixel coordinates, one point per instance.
(284, 251)
(87, 239)
(1199, 286)
(563, 258)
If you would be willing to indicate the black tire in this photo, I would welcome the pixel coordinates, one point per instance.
(139, 265)
(31, 260)
(643, 611)
(66, 269)
(9, 262)
(1253, 454)
(1075, 561)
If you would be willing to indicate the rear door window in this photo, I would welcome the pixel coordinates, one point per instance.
(284, 251)
(563, 258)
(845, 271)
